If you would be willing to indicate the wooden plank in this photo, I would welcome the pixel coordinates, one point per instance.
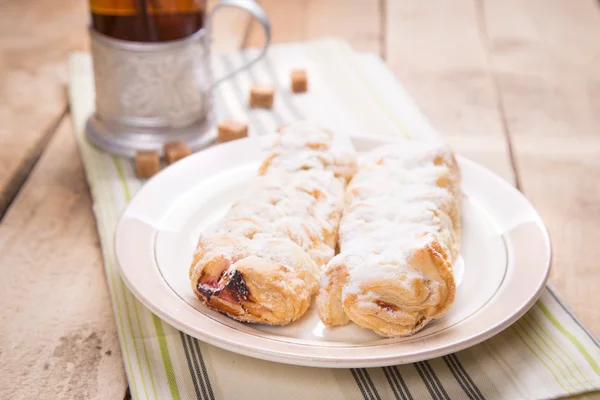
(230, 27)
(544, 57)
(51, 263)
(35, 37)
(58, 334)
(356, 21)
(435, 49)
(586, 396)
(441, 56)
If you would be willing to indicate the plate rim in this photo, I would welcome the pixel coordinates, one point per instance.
(294, 358)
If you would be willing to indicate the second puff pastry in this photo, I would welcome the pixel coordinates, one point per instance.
(262, 261)
(399, 236)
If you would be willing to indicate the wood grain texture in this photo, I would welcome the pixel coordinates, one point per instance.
(35, 37)
(586, 396)
(436, 50)
(544, 55)
(480, 70)
(230, 28)
(58, 336)
(356, 21)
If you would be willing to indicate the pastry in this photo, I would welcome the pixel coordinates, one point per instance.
(261, 279)
(262, 261)
(399, 236)
(301, 147)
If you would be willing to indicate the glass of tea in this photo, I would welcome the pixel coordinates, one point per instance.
(152, 72)
(147, 20)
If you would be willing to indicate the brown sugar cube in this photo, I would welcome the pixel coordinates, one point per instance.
(147, 163)
(299, 81)
(261, 95)
(175, 151)
(231, 130)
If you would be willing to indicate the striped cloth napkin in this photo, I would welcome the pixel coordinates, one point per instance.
(546, 354)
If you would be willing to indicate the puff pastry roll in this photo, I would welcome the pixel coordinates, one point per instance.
(262, 261)
(399, 236)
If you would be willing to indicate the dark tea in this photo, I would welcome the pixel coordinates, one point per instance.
(147, 20)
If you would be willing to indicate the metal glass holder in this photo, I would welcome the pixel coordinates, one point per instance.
(148, 94)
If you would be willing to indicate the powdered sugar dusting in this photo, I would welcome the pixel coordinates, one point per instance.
(400, 202)
(304, 207)
(303, 146)
(297, 198)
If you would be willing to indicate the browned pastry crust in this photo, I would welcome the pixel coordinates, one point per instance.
(261, 263)
(399, 236)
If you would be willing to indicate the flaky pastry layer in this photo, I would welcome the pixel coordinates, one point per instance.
(261, 262)
(399, 236)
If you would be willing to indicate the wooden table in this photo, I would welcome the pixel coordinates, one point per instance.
(512, 84)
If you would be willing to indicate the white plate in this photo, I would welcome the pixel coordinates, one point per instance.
(505, 248)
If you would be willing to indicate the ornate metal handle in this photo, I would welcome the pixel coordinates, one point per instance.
(257, 12)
